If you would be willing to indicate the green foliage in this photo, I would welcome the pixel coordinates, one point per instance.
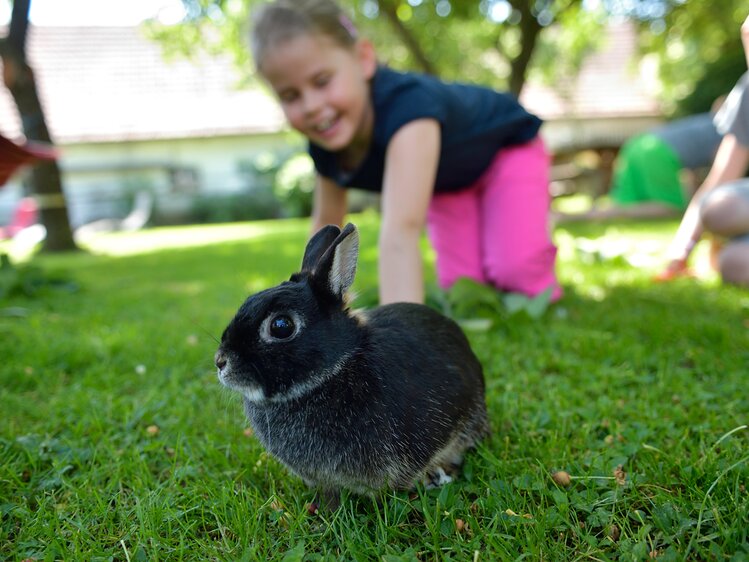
(117, 441)
(216, 26)
(480, 307)
(717, 80)
(461, 41)
(279, 184)
(294, 184)
(695, 45)
(288, 175)
(260, 204)
(698, 49)
(578, 33)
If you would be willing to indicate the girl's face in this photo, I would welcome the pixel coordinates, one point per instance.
(324, 89)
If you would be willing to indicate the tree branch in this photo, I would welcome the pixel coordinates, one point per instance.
(45, 183)
(529, 32)
(19, 23)
(391, 12)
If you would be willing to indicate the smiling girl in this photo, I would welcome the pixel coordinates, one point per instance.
(463, 160)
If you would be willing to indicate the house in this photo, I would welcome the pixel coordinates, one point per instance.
(127, 120)
(611, 99)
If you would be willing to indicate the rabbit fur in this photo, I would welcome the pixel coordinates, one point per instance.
(358, 401)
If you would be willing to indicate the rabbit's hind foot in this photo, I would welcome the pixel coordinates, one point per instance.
(438, 477)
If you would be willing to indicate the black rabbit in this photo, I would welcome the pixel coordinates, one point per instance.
(355, 400)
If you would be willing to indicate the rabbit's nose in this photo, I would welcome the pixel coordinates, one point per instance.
(220, 360)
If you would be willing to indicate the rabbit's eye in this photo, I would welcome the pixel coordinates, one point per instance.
(282, 327)
(279, 326)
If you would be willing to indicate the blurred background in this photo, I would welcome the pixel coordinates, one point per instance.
(156, 117)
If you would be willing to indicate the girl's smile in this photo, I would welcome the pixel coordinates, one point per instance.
(324, 90)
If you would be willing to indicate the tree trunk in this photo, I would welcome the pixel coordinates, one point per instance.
(529, 31)
(46, 183)
(391, 12)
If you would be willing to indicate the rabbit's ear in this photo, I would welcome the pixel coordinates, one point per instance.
(337, 267)
(317, 246)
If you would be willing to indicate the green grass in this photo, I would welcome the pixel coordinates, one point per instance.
(118, 443)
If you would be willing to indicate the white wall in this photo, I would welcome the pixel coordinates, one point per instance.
(97, 177)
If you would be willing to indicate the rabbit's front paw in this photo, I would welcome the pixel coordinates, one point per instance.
(326, 501)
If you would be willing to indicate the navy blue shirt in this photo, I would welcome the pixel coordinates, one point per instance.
(475, 122)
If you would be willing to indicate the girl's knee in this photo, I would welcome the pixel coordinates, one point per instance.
(725, 212)
(530, 273)
(734, 264)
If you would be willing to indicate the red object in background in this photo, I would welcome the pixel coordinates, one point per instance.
(13, 156)
(25, 215)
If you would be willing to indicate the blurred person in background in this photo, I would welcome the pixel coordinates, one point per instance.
(720, 206)
(655, 172)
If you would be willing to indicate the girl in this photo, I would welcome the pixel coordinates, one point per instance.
(467, 161)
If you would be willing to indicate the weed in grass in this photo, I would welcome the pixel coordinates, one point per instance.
(637, 391)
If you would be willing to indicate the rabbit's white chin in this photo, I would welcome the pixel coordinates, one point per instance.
(252, 392)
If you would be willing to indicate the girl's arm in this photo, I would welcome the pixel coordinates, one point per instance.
(410, 171)
(730, 163)
(329, 204)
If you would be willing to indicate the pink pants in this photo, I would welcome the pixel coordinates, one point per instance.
(496, 231)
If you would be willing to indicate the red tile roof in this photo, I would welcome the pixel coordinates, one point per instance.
(111, 83)
(609, 85)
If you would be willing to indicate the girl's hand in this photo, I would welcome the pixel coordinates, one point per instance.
(674, 270)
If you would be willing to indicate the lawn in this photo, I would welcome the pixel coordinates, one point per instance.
(118, 443)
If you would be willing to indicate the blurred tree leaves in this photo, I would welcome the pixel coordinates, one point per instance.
(695, 45)
(489, 42)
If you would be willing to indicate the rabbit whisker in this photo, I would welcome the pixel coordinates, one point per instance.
(267, 429)
(209, 334)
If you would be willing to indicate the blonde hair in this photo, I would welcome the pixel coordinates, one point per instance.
(281, 20)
